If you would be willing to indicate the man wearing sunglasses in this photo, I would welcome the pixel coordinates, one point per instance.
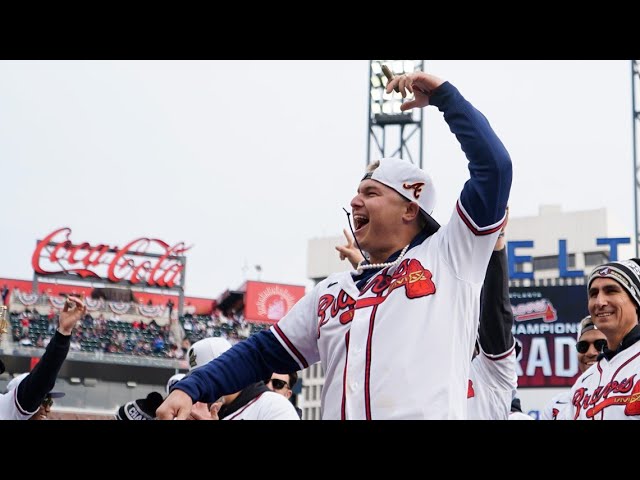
(24, 401)
(610, 388)
(283, 384)
(254, 402)
(279, 383)
(47, 402)
(590, 343)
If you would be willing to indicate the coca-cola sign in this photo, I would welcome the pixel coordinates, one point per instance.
(143, 261)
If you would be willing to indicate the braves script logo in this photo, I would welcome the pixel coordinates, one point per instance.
(57, 254)
(598, 401)
(417, 188)
(540, 309)
(410, 274)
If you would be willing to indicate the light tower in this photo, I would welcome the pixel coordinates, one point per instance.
(392, 133)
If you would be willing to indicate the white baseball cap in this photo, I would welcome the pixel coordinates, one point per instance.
(16, 381)
(205, 350)
(173, 380)
(408, 180)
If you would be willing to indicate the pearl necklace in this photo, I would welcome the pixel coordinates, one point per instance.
(374, 266)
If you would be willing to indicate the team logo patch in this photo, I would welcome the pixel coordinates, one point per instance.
(192, 358)
(537, 310)
(470, 391)
(416, 187)
(604, 272)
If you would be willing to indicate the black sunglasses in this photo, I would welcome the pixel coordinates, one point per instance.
(582, 346)
(278, 384)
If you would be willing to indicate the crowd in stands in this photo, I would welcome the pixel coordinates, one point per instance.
(112, 335)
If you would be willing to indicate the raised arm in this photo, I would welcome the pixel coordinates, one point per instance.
(41, 380)
(485, 195)
(496, 316)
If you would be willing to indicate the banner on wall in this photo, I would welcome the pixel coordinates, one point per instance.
(546, 322)
(269, 302)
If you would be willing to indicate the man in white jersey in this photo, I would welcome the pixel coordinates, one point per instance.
(589, 344)
(395, 337)
(254, 402)
(493, 379)
(610, 389)
(24, 401)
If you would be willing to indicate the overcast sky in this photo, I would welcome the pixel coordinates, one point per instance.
(248, 160)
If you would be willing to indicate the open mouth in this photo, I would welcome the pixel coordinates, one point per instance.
(359, 221)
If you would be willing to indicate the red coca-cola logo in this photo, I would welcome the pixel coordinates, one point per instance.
(57, 254)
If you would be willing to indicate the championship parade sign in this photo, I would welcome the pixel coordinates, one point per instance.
(546, 323)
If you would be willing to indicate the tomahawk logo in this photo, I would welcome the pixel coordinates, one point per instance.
(416, 187)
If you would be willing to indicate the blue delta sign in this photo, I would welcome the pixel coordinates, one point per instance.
(515, 259)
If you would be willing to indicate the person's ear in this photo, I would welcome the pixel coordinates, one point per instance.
(412, 211)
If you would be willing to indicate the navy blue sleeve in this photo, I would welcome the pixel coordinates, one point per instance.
(42, 379)
(485, 195)
(247, 362)
(496, 316)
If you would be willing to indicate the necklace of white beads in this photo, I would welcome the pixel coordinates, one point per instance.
(374, 266)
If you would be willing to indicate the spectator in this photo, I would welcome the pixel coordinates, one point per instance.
(170, 307)
(589, 346)
(254, 402)
(283, 384)
(5, 294)
(47, 402)
(609, 389)
(30, 393)
(51, 319)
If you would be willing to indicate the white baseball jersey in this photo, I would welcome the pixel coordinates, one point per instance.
(266, 406)
(10, 409)
(554, 409)
(401, 347)
(492, 382)
(608, 390)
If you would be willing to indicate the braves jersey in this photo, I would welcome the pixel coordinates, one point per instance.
(492, 383)
(608, 390)
(266, 406)
(400, 348)
(10, 409)
(554, 409)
